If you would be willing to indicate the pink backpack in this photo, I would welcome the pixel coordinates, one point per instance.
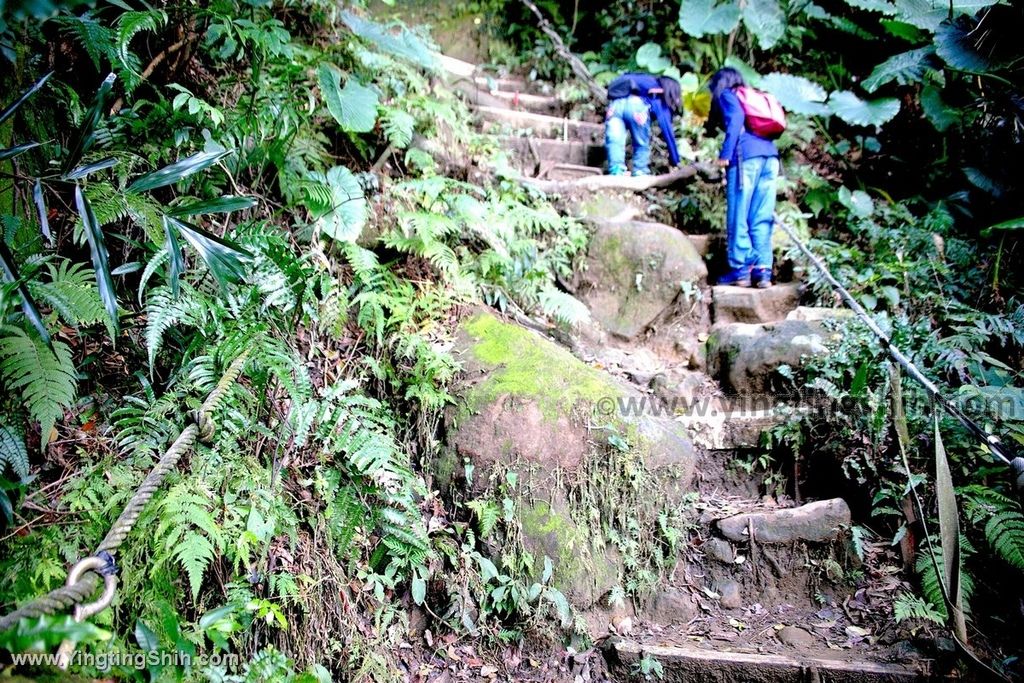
(765, 117)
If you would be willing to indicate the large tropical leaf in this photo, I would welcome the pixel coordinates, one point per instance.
(225, 204)
(796, 93)
(9, 270)
(858, 112)
(886, 7)
(177, 260)
(178, 170)
(345, 217)
(957, 43)
(87, 131)
(13, 106)
(941, 115)
(98, 250)
(225, 259)
(398, 41)
(929, 14)
(1010, 225)
(40, 202)
(699, 18)
(904, 68)
(11, 152)
(82, 171)
(354, 107)
(766, 22)
(650, 59)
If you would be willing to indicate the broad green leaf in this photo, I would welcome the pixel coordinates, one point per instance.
(957, 44)
(98, 250)
(903, 30)
(400, 42)
(354, 107)
(41, 211)
(82, 171)
(177, 261)
(796, 93)
(13, 106)
(858, 202)
(650, 59)
(47, 632)
(86, 132)
(858, 112)
(145, 637)
(936, 111)
(180, 169)
(211, 618)
(1013, 224)
(487, 569)
(556, 598)
(984, 182)
(699, 18)
(12, 152)
(225, 204)
(949, 532)
(766, 21)
(750, 75)
(904, 68)
(345, 218)
(225, 259)
(9, 270)
(929, 14)
(419, 590)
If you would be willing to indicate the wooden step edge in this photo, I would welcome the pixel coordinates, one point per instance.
(693, 664)
(561, 121)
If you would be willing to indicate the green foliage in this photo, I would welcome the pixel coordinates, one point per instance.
(908, 607)
(336, 200)
(858, 112)
(13, 454)
(354, 106)
(699, 18)
(1005, 532)
(44, 376)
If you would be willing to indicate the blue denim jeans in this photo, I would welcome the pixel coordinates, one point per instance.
(628, 117)
(750, 216)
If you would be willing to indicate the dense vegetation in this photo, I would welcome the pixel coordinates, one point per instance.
(184, 182)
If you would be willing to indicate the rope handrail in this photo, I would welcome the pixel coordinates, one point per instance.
(992, 441)
(84, 577)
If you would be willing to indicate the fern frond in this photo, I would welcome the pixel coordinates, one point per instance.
(907, 607)
(13, 453)
(190, 534)
(129, 24)
(398, 126)
(563, 307)
(96, 39)
(487, 516)
(71, 291)
(1005, 532)
(163, 311)
(46, 379)
(931, 587)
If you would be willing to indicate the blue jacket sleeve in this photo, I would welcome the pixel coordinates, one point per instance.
(733, 117)
(664, 116)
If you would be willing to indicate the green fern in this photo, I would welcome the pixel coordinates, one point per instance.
(45, 379)
(930, 581)
(71, 291)
(487, 516)
(189, 532)
(97, 40)
(398, 126)
(563, 307)
(130, 24)
(13, 453)
(1005, 533)
(164, 311)
(907, 607)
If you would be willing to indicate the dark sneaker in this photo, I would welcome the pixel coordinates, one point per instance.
(737, 277)
(762, 277)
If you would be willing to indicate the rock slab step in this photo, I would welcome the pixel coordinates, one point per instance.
(753, 305)
(746, 357)
(816, 522)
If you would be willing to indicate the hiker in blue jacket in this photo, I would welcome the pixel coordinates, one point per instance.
(751, 169)
(632, 100)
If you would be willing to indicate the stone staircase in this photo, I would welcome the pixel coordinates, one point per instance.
(746, 603)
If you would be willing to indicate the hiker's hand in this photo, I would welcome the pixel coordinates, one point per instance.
(722, 162)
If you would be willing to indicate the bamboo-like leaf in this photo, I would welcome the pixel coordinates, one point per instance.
(44, 220)
(224, 258)
(28, 306)
(99, 257)
(13, 107)
(86, 133)
(177, 261)
(225, 204)
(177, 171)
(82, 171)
(949, 532)
(1012, 224)
(12, 152)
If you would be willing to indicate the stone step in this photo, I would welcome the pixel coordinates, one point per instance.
(493, 84)
(457, 67)
(536, 150)
(559, 171)
(500, 119)
(752, 305)
(686, 664)
(539, 104)
(715, 425)
(817, 522)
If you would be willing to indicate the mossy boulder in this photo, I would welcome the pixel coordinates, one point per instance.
(635, 271)
(746, 357)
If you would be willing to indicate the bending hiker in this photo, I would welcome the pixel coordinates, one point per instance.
(751, 163)
(632, 100)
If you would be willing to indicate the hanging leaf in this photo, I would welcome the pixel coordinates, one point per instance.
(98, 250)
(13, 106)
(957, 44)
(699, 18)
(858, 112)
(903, 31)
(354, 107)
(344, 219)
(796, 93)
(12, 152)
(766, 22)
(225, 204)
(44, 221)
(984, 181)
(28, 306)
(401, 42)
(886, 7)
(650, 59)
(904, 68)
(225, 259)
(173, 247)
(949, 532)
(82, 171)
(177, 171)
(87, 131)
(936, 111)
(1013, 224)
(929, 14)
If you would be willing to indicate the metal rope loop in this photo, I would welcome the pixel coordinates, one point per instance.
(103, 566)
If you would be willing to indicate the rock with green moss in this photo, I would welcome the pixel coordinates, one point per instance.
(635, 271)
(748, 358)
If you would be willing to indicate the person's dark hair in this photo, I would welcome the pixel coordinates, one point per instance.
(671, 93)
(724, 79)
